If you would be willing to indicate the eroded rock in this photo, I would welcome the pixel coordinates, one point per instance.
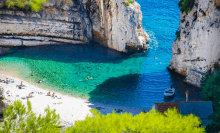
(199, 42)
(111, 23)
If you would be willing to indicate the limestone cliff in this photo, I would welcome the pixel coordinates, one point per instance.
(112, 23)
(116, 25)
(198, 49)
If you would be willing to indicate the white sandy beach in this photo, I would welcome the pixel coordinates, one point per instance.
(69, 108)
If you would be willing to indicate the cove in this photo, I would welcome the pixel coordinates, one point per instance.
(136, 80)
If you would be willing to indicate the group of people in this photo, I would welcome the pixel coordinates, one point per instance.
(7, 81)
(53, 95)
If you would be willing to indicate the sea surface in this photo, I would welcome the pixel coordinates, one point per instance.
(136, 80)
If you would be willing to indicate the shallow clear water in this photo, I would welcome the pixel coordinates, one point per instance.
(136, 80)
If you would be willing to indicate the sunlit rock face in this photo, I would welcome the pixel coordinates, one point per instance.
(116, 25)
(111, 23)
(198, 49)
(59, 21)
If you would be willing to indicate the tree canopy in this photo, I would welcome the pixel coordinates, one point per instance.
(18, 119)
(170, 121)
(211, 92)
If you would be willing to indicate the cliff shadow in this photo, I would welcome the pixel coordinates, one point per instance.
(117, 93)
(116, 89)
(69, 53)
(141, 90)
(132, 90)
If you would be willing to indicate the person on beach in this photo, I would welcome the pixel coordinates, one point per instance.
(48, 94)
(53, 96)
(187, 95)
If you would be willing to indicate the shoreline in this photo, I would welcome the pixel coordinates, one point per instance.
(69, 108)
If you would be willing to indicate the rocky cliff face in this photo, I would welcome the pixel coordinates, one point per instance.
(65, 21)
(198, 49)
(58, 22)
(116, 25)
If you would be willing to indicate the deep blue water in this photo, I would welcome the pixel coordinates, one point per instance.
(137, 80)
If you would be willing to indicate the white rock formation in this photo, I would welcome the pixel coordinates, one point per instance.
(116, 25)
(199, 46)
(109, 22)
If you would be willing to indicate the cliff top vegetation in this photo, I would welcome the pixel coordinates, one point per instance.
(129, 2)
(186, 5)
(31, 5)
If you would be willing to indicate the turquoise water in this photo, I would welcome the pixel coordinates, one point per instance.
(136, 80)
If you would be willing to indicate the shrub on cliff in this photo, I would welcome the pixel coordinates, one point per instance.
(177, 35)
(18, 119)
(186, 5)
(211, 92)
(33, 5)
(129, 2)
(171, 121)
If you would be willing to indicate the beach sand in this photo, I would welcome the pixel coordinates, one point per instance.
(69, 108)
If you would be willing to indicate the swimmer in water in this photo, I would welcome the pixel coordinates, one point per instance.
(88, 78)
(155, 57)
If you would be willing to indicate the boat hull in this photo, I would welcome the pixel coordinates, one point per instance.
(169, 97)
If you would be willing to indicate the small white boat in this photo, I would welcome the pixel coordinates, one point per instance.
(169, 92)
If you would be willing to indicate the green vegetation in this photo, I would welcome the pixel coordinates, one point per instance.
(32, 5)
(177, 35)
(149, 122)
(186, 5)
(211, 92)
(18, 119)
(129, 2)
